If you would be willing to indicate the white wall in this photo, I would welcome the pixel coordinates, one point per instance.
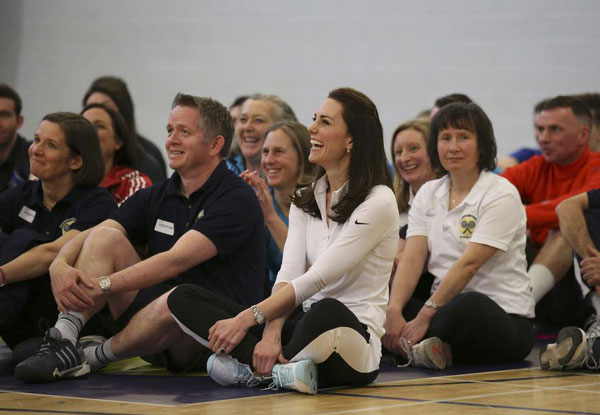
(506, 54)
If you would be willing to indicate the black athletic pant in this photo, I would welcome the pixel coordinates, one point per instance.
(304, 335)
(478, 329)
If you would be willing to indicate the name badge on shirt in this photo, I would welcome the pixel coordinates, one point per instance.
(27, 214)
(165, 227)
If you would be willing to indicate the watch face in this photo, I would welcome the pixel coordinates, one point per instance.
(104, 283)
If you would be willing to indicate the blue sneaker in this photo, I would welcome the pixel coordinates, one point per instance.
(56, 359)
(226, 370)
(299, 376)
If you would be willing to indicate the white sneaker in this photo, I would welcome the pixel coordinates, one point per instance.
(431, 353)
(300, 376)
(226, 370)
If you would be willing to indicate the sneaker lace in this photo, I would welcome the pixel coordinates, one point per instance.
(49, 346)
(244, 373)
(590, 361)
(593, 326)
(404, 345)
(281, 377)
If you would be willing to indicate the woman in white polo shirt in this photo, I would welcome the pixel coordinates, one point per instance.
(468, 227)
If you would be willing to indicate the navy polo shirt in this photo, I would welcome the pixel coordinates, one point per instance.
(15, 169)
(22, 208)
(225, 210)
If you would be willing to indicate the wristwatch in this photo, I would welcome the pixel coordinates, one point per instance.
(259, 317)
(105, 284)
(431, 304)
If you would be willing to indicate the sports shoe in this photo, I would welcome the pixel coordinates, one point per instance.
(226, 370)
(574, 348)
(431, 353)
(300, 376)
(56, 358)
(89, 344)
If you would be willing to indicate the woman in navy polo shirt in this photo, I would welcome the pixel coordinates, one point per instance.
(468, 228)
(38, 217)
(284, 164)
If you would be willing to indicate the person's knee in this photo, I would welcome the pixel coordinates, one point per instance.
(105, 240)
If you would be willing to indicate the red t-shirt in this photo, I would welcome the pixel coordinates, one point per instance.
(123, 182)
(543, 186)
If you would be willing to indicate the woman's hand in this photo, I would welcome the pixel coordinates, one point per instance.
(266, 353)
(262, 191)
(225, 335)
(394, 325)
(415, 330)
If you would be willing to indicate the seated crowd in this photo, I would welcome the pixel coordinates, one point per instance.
(287, 255)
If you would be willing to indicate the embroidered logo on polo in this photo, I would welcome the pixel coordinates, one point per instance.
(163, 226)
(66, 224)
(466, 226)
(27, 214)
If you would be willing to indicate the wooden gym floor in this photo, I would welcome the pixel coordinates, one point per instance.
(518, 389)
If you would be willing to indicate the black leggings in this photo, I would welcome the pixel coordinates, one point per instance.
(478, 329)
(329, 333)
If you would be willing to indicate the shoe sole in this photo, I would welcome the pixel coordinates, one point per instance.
(308, 377)
(29, 375)
(568, 351)
(438, 354)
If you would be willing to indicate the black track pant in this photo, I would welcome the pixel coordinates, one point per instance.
(478, 329)
(329, 334)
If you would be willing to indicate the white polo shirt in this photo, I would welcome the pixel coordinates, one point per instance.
(491, 214)
(404, 215)
(351, 261)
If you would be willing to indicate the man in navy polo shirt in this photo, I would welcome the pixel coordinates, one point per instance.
(202, 226)
(14, 160)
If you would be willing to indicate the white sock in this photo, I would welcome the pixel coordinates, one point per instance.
(541, 280)
(595, 300)
(70, 325)
(99, 356)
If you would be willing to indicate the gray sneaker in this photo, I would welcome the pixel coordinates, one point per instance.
(430, 353)
(574, 348)
(299, 376)
(56, 359)
(226, 370)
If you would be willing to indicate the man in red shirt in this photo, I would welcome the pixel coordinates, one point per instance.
(565, 168)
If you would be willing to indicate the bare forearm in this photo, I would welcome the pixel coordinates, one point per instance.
(574, 229)
(31, 264)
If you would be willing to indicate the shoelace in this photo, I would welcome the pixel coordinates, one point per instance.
(404, 345)
(49, 346)
(244, 373)
(590, 361)
(283, 376)
(593, 326)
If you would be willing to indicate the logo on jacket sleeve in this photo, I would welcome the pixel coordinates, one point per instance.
(466, 226)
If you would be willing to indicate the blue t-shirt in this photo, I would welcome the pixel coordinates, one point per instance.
(274, 254)
(225, 210)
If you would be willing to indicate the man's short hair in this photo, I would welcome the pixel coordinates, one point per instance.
(214, 118)
(8, 92)
(592, 100)
(452, 98)
(579, 108)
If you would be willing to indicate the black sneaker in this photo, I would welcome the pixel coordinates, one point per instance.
(56, 359)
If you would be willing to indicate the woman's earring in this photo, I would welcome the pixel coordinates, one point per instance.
(347, 150)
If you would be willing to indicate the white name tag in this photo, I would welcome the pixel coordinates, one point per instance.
(27, 214)
(165, 227)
